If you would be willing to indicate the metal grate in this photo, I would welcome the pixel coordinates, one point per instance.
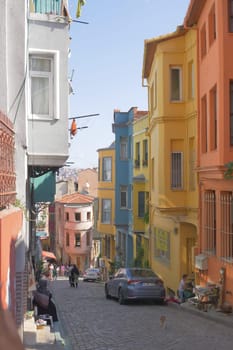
(7, 174)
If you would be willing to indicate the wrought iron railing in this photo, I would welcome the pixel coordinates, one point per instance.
(7, 171)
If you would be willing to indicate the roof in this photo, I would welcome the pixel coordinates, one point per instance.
(139, 114)
(193, 12)
(76, 198)
(150, 46)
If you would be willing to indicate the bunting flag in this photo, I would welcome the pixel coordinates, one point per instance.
(79, 7)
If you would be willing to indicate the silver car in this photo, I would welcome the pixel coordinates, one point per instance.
(135, 284)
(91, 274)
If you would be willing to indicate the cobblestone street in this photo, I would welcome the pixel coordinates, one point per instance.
(90, 322)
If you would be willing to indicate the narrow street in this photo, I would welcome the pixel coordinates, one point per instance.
(91, 322)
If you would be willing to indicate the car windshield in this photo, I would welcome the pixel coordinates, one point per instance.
(142, 273)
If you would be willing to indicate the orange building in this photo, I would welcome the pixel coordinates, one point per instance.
(213, 20)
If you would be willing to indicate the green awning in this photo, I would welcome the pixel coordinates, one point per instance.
(43, 187)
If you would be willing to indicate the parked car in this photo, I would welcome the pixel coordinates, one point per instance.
(91, 274)
(135, 284)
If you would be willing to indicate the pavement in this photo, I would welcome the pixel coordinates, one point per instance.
(212, 314)
(53, 338)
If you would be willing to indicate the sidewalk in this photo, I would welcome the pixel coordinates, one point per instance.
(212, 313)
(45, 338)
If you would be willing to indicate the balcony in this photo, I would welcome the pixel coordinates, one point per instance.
(7, 174)
(54, 7)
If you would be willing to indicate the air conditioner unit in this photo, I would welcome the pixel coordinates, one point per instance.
(201, 262)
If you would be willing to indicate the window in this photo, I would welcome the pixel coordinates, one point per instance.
(77, 240)
(123, 148)
(203, 41)
(226, 231)
(67, 239)
(230, 15)
(141, 204)
(213, 118)
(107, 246)
(107, 169)
(106, 211)
(88, 216)
(123, 196)
(153, 173)
(155, 93)
(152, 96)
(231, 112)
(176, 170)
(162, 245)
(204, 138)
(145, 152)
(77, 216)
(67, 216)
(88, 238)
(209, 222)
(192, 164)
(43, 77)
(137, 151)
(176, 79)
(191, 86)
(212, 25)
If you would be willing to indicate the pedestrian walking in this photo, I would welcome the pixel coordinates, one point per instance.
(74, 276)
(182, 287)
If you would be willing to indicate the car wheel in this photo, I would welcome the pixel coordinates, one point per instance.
(107, 295)
(121, 298)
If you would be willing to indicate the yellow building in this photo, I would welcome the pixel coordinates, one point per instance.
(169, 70)
(106, 206)
(141, 189)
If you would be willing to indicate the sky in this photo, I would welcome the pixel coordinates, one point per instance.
(106, 60)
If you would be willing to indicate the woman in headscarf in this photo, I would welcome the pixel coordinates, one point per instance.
(41, 309)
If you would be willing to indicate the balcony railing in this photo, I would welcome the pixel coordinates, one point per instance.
(47, 7)
(7, 174)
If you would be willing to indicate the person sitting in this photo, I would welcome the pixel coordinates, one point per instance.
(44, 308)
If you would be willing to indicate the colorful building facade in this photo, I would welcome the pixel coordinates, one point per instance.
(74, 229)
(169, 70)
(106, 207)
(141, 188)
(213, 21)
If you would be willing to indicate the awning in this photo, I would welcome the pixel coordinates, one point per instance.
(49, 255)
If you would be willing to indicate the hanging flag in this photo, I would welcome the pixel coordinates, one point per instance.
(79, 7)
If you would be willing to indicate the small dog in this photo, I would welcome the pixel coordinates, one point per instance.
(163, 321)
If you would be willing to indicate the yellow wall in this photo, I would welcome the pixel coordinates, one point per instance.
(106, 190)
(173, 128)
(140, 127)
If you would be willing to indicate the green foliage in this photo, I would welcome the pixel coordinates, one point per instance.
(138, 261)
(228, 174)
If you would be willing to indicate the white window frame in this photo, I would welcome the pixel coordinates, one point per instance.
(124, 189)
(54, 86)
(123, 148)
(180, 84)
(176, 174)
(106, 211)
(107, 169)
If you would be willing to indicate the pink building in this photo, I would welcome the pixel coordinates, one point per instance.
(74, 229)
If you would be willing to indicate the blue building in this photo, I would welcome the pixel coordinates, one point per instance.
(123, 130)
